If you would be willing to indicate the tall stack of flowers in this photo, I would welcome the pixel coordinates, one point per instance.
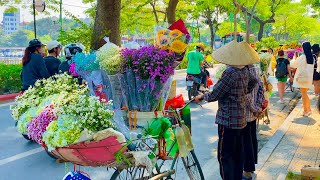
(60, 110)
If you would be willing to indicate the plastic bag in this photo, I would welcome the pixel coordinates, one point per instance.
(209, 81)
(76, 175)
(176, 102)
(180, 26)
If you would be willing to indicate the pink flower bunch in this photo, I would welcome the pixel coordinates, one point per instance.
(38, 125)
(72, 69)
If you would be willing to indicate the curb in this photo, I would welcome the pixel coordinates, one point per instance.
(265, 153)
(8, 97)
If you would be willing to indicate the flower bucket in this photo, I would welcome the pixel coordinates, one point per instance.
(101, 153)
(140, 120)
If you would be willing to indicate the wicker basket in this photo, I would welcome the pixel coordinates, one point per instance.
(140, 120)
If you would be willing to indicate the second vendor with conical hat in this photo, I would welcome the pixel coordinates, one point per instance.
(230, 92)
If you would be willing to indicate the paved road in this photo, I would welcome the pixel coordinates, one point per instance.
(21, 159)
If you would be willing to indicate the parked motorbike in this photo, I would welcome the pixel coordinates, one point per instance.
(193, 85)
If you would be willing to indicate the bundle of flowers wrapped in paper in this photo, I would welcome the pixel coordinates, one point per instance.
(110, 61)
(174, 39)
(147, 70)
(85, 63)
(265, 59)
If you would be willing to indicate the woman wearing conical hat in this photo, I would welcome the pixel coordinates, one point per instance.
(231, 93)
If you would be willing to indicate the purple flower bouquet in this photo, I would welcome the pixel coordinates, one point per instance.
(152, 68)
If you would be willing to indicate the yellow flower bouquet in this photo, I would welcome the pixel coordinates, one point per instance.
(174, 41)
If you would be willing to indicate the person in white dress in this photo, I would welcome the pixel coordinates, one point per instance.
(304, 75)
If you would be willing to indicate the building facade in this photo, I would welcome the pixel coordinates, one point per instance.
(11, 22)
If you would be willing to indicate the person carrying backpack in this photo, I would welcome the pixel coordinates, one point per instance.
(283, 70)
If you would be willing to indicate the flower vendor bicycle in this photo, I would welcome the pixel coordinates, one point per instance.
(190, 161)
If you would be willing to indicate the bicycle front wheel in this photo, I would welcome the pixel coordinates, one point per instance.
(192, 166)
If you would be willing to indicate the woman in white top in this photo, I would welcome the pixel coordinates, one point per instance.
(304, 75)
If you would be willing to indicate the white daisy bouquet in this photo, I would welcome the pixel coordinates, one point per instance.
(43, 90)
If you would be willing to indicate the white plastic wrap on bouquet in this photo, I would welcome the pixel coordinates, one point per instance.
(87, 77)
(150, 93)
(128, 85)
(116, 91)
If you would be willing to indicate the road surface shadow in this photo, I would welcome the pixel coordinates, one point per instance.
(304, 121)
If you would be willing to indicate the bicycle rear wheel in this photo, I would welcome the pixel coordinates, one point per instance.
(131, 173)
(192, 166)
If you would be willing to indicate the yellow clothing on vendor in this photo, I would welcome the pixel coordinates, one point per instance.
(272, 65)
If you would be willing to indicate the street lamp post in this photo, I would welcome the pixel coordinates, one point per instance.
(60, 16)
(34, 19)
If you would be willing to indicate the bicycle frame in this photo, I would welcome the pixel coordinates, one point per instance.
(178, 120)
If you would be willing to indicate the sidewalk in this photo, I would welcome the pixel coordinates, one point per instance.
(295, 144)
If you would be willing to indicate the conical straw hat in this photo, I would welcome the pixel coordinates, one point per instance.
(236, 54)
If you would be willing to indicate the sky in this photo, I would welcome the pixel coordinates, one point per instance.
(76, 7)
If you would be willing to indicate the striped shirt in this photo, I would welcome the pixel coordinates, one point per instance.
(230, 92)
(256, 97)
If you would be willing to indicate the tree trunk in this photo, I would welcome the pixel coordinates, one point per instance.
(107, 23)
(248, 24)
(261, 28)
(212, 34)
(171, 11)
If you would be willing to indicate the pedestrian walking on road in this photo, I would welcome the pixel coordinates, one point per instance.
(316, 74)
(195, 61)
(283, 70)
(51, 61)
(254, 108)
(33, 66)
(304, 75)
(231, 93)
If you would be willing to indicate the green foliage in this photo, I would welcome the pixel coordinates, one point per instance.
(80, 35)
(295, 24)
(292, 176)
(268, 42)
(51, 26)
(11, 9)
(10, 81)
(227, 27)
